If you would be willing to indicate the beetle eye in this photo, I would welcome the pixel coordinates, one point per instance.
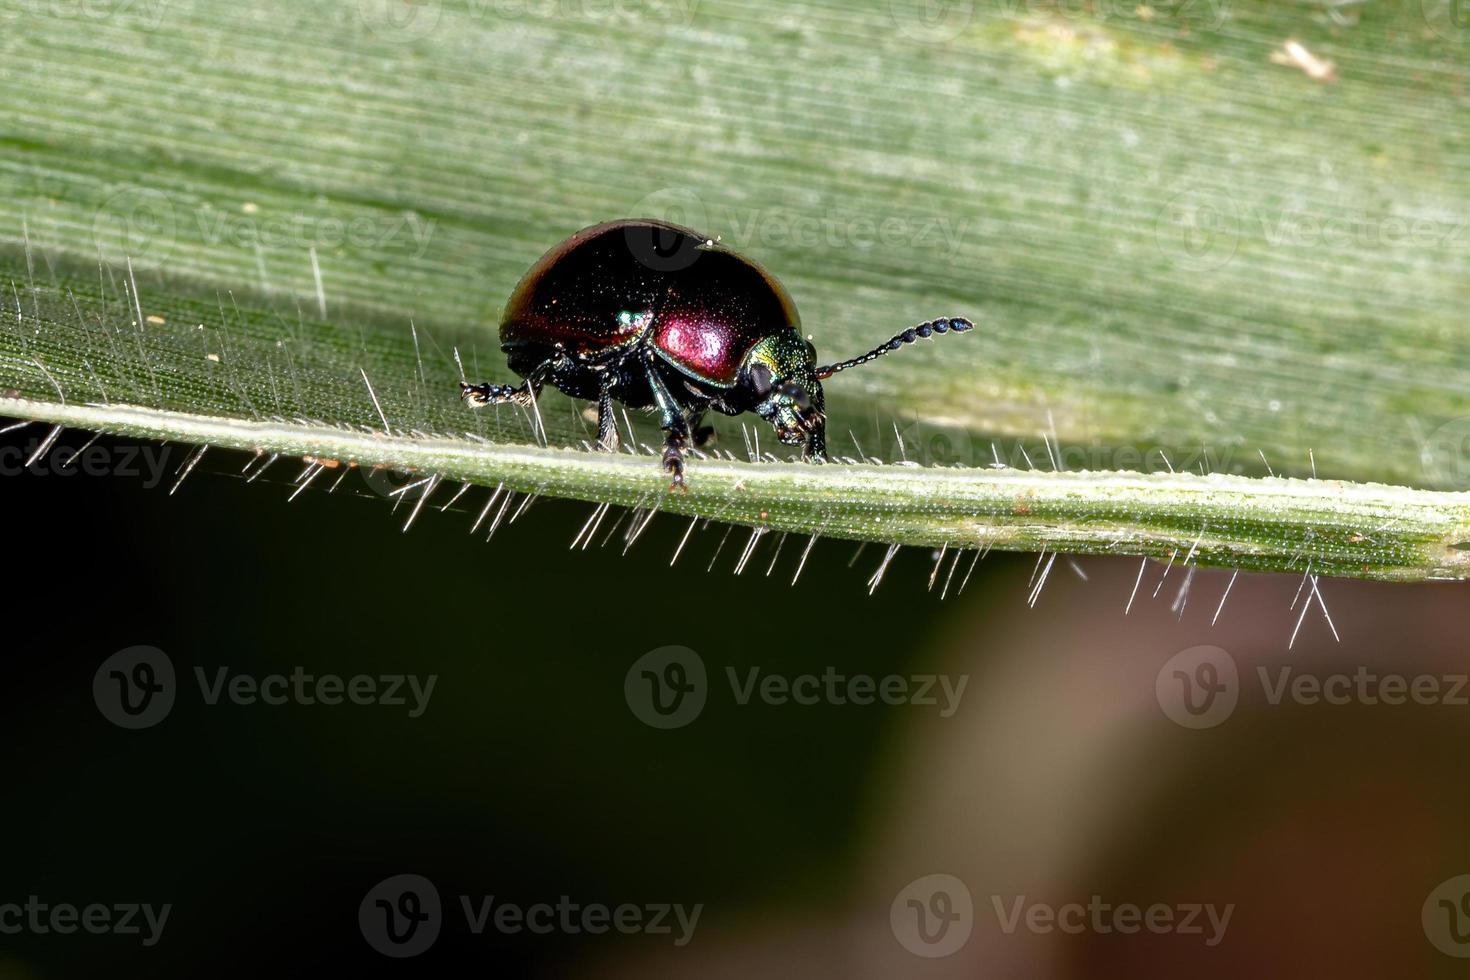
(760, 379)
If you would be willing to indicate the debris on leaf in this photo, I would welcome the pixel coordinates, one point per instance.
(1294, 54)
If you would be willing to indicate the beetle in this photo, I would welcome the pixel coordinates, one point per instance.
(655, 315)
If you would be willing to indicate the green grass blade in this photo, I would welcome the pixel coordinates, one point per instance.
(1181, 253)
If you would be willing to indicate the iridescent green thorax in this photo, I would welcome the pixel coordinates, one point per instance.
(789, 355)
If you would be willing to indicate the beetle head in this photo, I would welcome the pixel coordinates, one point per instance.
(780, 382)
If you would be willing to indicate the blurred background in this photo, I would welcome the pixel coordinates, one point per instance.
(1231, 230)
(802, 831)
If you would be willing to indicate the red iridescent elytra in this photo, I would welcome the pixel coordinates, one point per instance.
(704, 306)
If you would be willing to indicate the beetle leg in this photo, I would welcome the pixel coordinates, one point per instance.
(489, 393)
(674, 459)
(816, 440)
(675, 426)
(721, 406)
(607, 426)
(816, 445)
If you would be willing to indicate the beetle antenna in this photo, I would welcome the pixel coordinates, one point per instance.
(958, 324)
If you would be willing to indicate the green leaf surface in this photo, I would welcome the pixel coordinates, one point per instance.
(1182, 254)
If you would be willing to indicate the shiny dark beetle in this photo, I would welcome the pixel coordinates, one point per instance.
(658, 316)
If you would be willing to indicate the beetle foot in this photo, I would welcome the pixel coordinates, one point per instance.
(487, 393)
(674, 465)
(704, 436)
